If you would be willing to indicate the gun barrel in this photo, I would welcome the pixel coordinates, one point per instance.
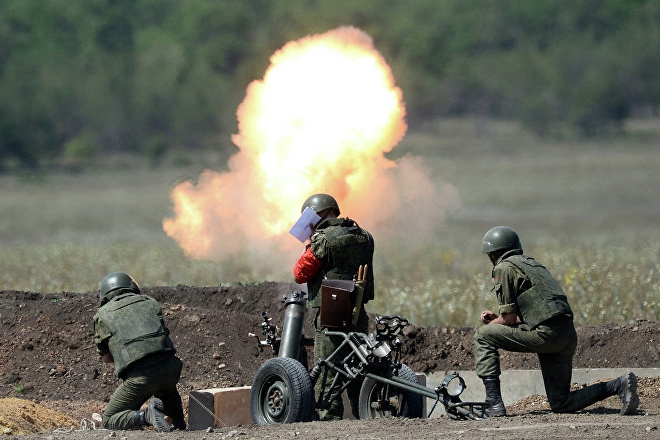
(294, 319)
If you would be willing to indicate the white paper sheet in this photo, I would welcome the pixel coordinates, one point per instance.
(302, 229)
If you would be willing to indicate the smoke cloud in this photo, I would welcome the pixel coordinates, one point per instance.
(321, 120)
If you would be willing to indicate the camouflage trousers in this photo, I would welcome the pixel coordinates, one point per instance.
(153, 376)
(554, 342)
(324, 346)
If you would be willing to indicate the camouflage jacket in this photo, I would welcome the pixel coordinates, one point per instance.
(341, 245)
(130, 327)
(525, 287)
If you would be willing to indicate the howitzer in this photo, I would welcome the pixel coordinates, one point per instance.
(283, 389)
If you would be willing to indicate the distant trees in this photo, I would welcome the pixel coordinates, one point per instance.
(78, 78)
(556, 66)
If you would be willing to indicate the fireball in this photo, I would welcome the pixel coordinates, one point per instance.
(320, 120)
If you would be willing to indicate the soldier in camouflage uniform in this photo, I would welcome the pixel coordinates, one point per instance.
(129, 330)
(535, 317)
(336, 249)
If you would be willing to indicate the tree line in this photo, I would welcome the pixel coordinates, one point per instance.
(80, 78)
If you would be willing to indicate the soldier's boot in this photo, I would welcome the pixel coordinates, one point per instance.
(326, 415)
(153, 416)
(179, 423)
(176, 414)
(494, 397)
(626, 388)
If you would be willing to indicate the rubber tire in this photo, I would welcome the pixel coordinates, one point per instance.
(281, 392)
(411, 404)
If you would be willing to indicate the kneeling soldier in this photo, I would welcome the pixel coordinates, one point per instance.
(129, 330)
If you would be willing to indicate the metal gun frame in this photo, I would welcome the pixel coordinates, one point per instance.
(283, 389)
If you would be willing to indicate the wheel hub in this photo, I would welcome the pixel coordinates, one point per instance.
(276, 400)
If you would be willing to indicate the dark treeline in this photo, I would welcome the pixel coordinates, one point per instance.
(83, 77)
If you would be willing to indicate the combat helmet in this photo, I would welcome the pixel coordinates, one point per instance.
(500, 238)
(321, 202)
(114, 282)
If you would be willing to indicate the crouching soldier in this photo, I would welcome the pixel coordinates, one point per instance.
(535, 317)
(129, 330)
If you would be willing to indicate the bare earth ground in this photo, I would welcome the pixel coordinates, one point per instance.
(52, 380)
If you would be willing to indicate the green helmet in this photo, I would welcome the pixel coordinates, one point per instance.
(321, 202)
(115, 281)
(500, 238)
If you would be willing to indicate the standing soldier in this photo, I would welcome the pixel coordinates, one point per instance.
(129, 330)
(535, 317)
(336, 250)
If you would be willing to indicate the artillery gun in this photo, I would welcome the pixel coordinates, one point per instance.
(283, 388)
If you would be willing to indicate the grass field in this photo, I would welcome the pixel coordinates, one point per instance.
(589, 211)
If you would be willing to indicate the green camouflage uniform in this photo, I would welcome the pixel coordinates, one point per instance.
(342, 246)
(130, 327)
(523, 286)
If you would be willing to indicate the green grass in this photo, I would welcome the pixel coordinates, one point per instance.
(589, 211)
(605, 282)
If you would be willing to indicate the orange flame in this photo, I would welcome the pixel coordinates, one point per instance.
(321, 120)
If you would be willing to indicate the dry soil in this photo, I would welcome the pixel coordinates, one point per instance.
(53, 382)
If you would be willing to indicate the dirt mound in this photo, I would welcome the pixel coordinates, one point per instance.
(48, 358)
(20, 416)
(608, 346)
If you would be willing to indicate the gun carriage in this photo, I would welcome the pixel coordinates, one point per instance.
(283, 388)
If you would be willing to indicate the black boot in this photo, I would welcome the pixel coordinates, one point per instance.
(174, 410)
(153, 416)
(494, 397)
(139, 418)
(178, 420)
(626, 388)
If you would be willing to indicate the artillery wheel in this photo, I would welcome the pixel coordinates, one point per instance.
(281, 393)
(379, 400)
